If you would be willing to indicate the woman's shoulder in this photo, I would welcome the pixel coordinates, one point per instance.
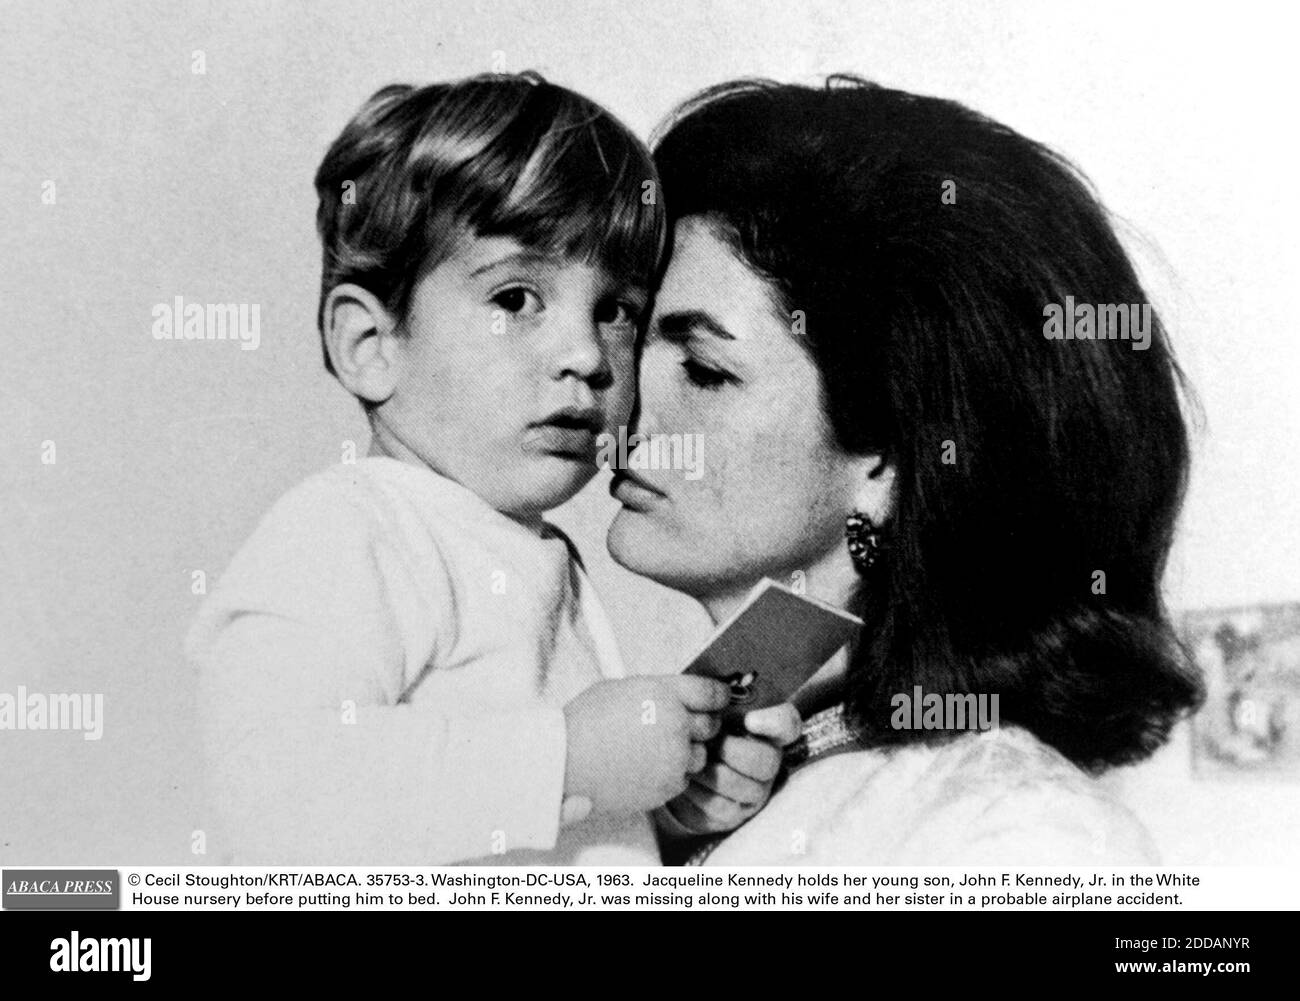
(1022, 802)
(999, 797)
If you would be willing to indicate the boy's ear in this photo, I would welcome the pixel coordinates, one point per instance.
(361, 338)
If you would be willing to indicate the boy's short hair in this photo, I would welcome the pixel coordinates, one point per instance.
(419, 168)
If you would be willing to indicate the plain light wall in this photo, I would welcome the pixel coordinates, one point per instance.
(171, 183)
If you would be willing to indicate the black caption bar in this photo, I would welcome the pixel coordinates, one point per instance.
(143, 950)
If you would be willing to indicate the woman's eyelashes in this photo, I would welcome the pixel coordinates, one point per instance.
(705, 377)
(697, 373)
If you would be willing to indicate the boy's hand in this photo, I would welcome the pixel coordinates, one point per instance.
(633, 742)
(737, 781)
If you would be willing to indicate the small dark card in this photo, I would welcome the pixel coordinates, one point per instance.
(770, 646)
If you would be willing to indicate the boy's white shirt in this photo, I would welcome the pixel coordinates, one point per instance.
(382, 673)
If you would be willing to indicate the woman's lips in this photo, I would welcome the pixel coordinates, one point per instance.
(632, 492)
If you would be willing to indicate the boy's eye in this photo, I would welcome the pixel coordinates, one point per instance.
(705, 377)
(619, 311)
(518, 299)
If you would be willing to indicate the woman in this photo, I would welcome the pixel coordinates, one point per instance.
(861, 316)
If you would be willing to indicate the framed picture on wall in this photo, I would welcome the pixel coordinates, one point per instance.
(1250, 724)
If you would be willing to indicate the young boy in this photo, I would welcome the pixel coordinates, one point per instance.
(404, 663)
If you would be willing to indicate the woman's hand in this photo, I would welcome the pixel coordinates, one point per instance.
(737, 778)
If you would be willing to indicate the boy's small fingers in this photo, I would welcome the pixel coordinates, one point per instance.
(702, 695)
(781, 724)
(704, 726)
(699, 758)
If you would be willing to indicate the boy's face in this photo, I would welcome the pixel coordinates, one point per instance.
(515, 362)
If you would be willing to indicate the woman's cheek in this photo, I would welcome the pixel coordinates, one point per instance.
(654, 390)
(735, 488)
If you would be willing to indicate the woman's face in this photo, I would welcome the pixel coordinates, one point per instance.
(722, 362)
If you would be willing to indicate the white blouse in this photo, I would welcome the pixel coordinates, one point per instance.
(998, 797)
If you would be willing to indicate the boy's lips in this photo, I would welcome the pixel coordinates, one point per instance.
(570, 433)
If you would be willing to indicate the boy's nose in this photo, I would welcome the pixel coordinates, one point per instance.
(581, 354)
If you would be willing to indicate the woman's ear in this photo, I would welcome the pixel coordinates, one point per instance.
(874, 495)
(361, 337)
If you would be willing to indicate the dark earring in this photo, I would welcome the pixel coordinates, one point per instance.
(865, 541)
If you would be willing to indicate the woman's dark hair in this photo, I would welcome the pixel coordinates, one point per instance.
(924, 245)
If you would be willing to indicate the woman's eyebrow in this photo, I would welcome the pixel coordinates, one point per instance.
(682, 322)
